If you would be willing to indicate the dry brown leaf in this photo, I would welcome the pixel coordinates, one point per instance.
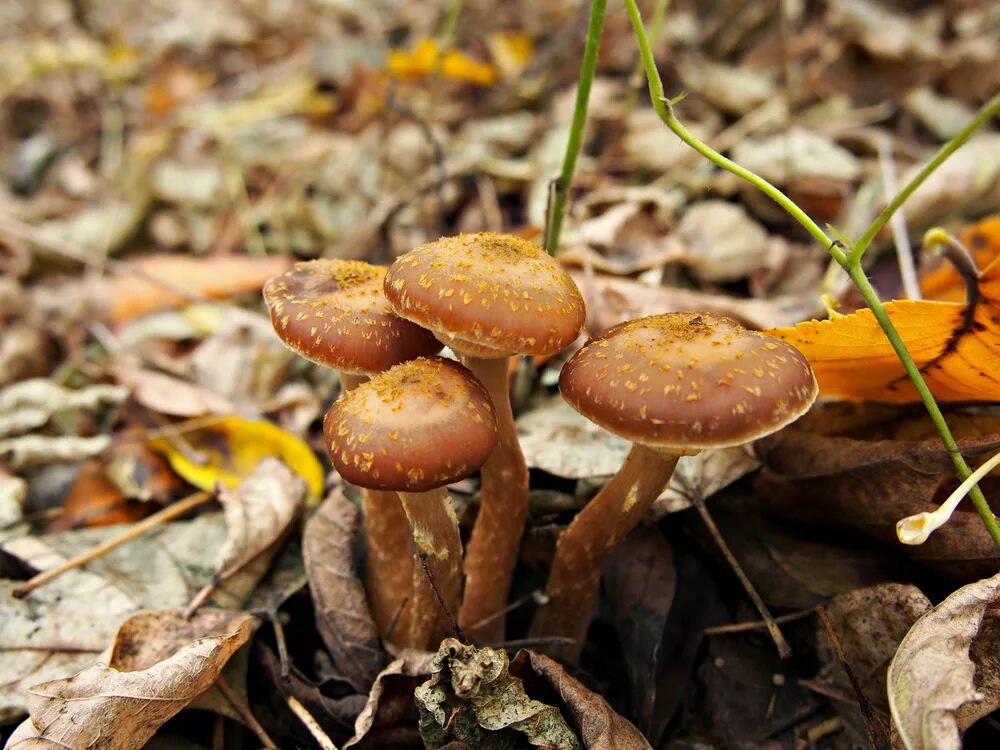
(342, 613)
(936, 689)
(259, 513)
(389, 718)
(119, 710)
(166, 394)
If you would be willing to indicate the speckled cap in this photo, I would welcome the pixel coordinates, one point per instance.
(423, 424)
(687, 381)
(334, 313)
(488, 295)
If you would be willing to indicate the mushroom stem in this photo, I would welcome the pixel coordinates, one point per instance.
(503, 510)
(388, 568)
(582, 548)
(434, 526)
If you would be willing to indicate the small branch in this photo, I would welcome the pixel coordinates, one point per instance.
(904, 251)
(136, 530)
(743, 627)
(440, 599)
(984, 115)
(244, 710)
(784, 650)
(560, 186)
(321, 737)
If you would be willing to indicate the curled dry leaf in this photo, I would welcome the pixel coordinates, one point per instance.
(30, 404)
(937, 689)
(389, 718)
(31, 451)
(78, 712)
(259, 513)
(342, 613)
(471, 694)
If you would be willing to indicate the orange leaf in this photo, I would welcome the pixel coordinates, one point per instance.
(131, 295)
(425, 58)
(956, 347)
(983, 240)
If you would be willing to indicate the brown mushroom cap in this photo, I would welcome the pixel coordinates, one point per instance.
(683, 382)
(491, 295)
(334, 313)
(421, 425)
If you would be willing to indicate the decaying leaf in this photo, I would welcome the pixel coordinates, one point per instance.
(471, 694)
(389, 718)
(937, 689)
(230, 448)
(956, 347)
(723, 242)
(32, 451)
(80, 711)
(28, 405)
(166, 394)
(58, 631)
(259, 513)
(342, 614)
(871, 484)
(13, 490)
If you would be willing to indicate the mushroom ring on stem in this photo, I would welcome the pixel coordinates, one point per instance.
(414, 429)
(489, 297)
(674, 385)
(334, 313)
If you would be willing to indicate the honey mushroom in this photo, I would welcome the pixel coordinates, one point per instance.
(674, 385)
(414, 429)
(334, 313)
(489, 297)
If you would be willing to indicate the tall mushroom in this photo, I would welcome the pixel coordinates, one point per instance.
(489, 297)
(334, 313)
(415, 429)
(674, 385)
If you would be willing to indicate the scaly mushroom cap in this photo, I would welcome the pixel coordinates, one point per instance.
(488, 295)
(334, 313)
(423, 424)
(683, 382)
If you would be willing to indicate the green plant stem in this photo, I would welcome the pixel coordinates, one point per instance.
(849, 259)
(987, 112)
(588, 68)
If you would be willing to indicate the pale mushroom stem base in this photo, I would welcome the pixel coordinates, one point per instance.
(388, 573)
(503, 511)
(602, 525)
(434, 527)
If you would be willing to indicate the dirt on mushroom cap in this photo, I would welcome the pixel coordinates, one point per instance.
(496, 293)
(688, 381)
(420, 425)
(334, 313)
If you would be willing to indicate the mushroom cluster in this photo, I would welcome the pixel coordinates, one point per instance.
(410, 423)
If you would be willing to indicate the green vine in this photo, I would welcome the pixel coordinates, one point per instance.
(848, 256)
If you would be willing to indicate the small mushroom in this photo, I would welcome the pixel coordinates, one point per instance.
(414, 429)
(674, 385)
(489, 297)
(334, 313)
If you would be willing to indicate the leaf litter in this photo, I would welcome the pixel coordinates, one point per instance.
(160, 163)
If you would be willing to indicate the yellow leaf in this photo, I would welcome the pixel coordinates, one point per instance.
(956, 346)
(227, 449)
(424, 59)
(511, 52)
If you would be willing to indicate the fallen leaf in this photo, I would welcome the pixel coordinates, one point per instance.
(871, 484)
(723, 242)
(230, 448)
(869, 624)
(736, 90)
(31, 451)
(166, 394)
(956, 347)
(426, 58)
(342, 615)
(13, 490)
(389, 718)
(936, 688)
(30, 404)
(259, 513)
(156, 282)
(78, 711)
(511, 52)
(471, 695)
(796, 154)
(57, 630)
(640, 581)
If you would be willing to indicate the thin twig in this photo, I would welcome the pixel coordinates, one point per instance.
(743, 627)
(321, 737)
(784, 650)
(136, 530)
(244, 710)
(516, 604)
(900, 237)
(444, 607)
